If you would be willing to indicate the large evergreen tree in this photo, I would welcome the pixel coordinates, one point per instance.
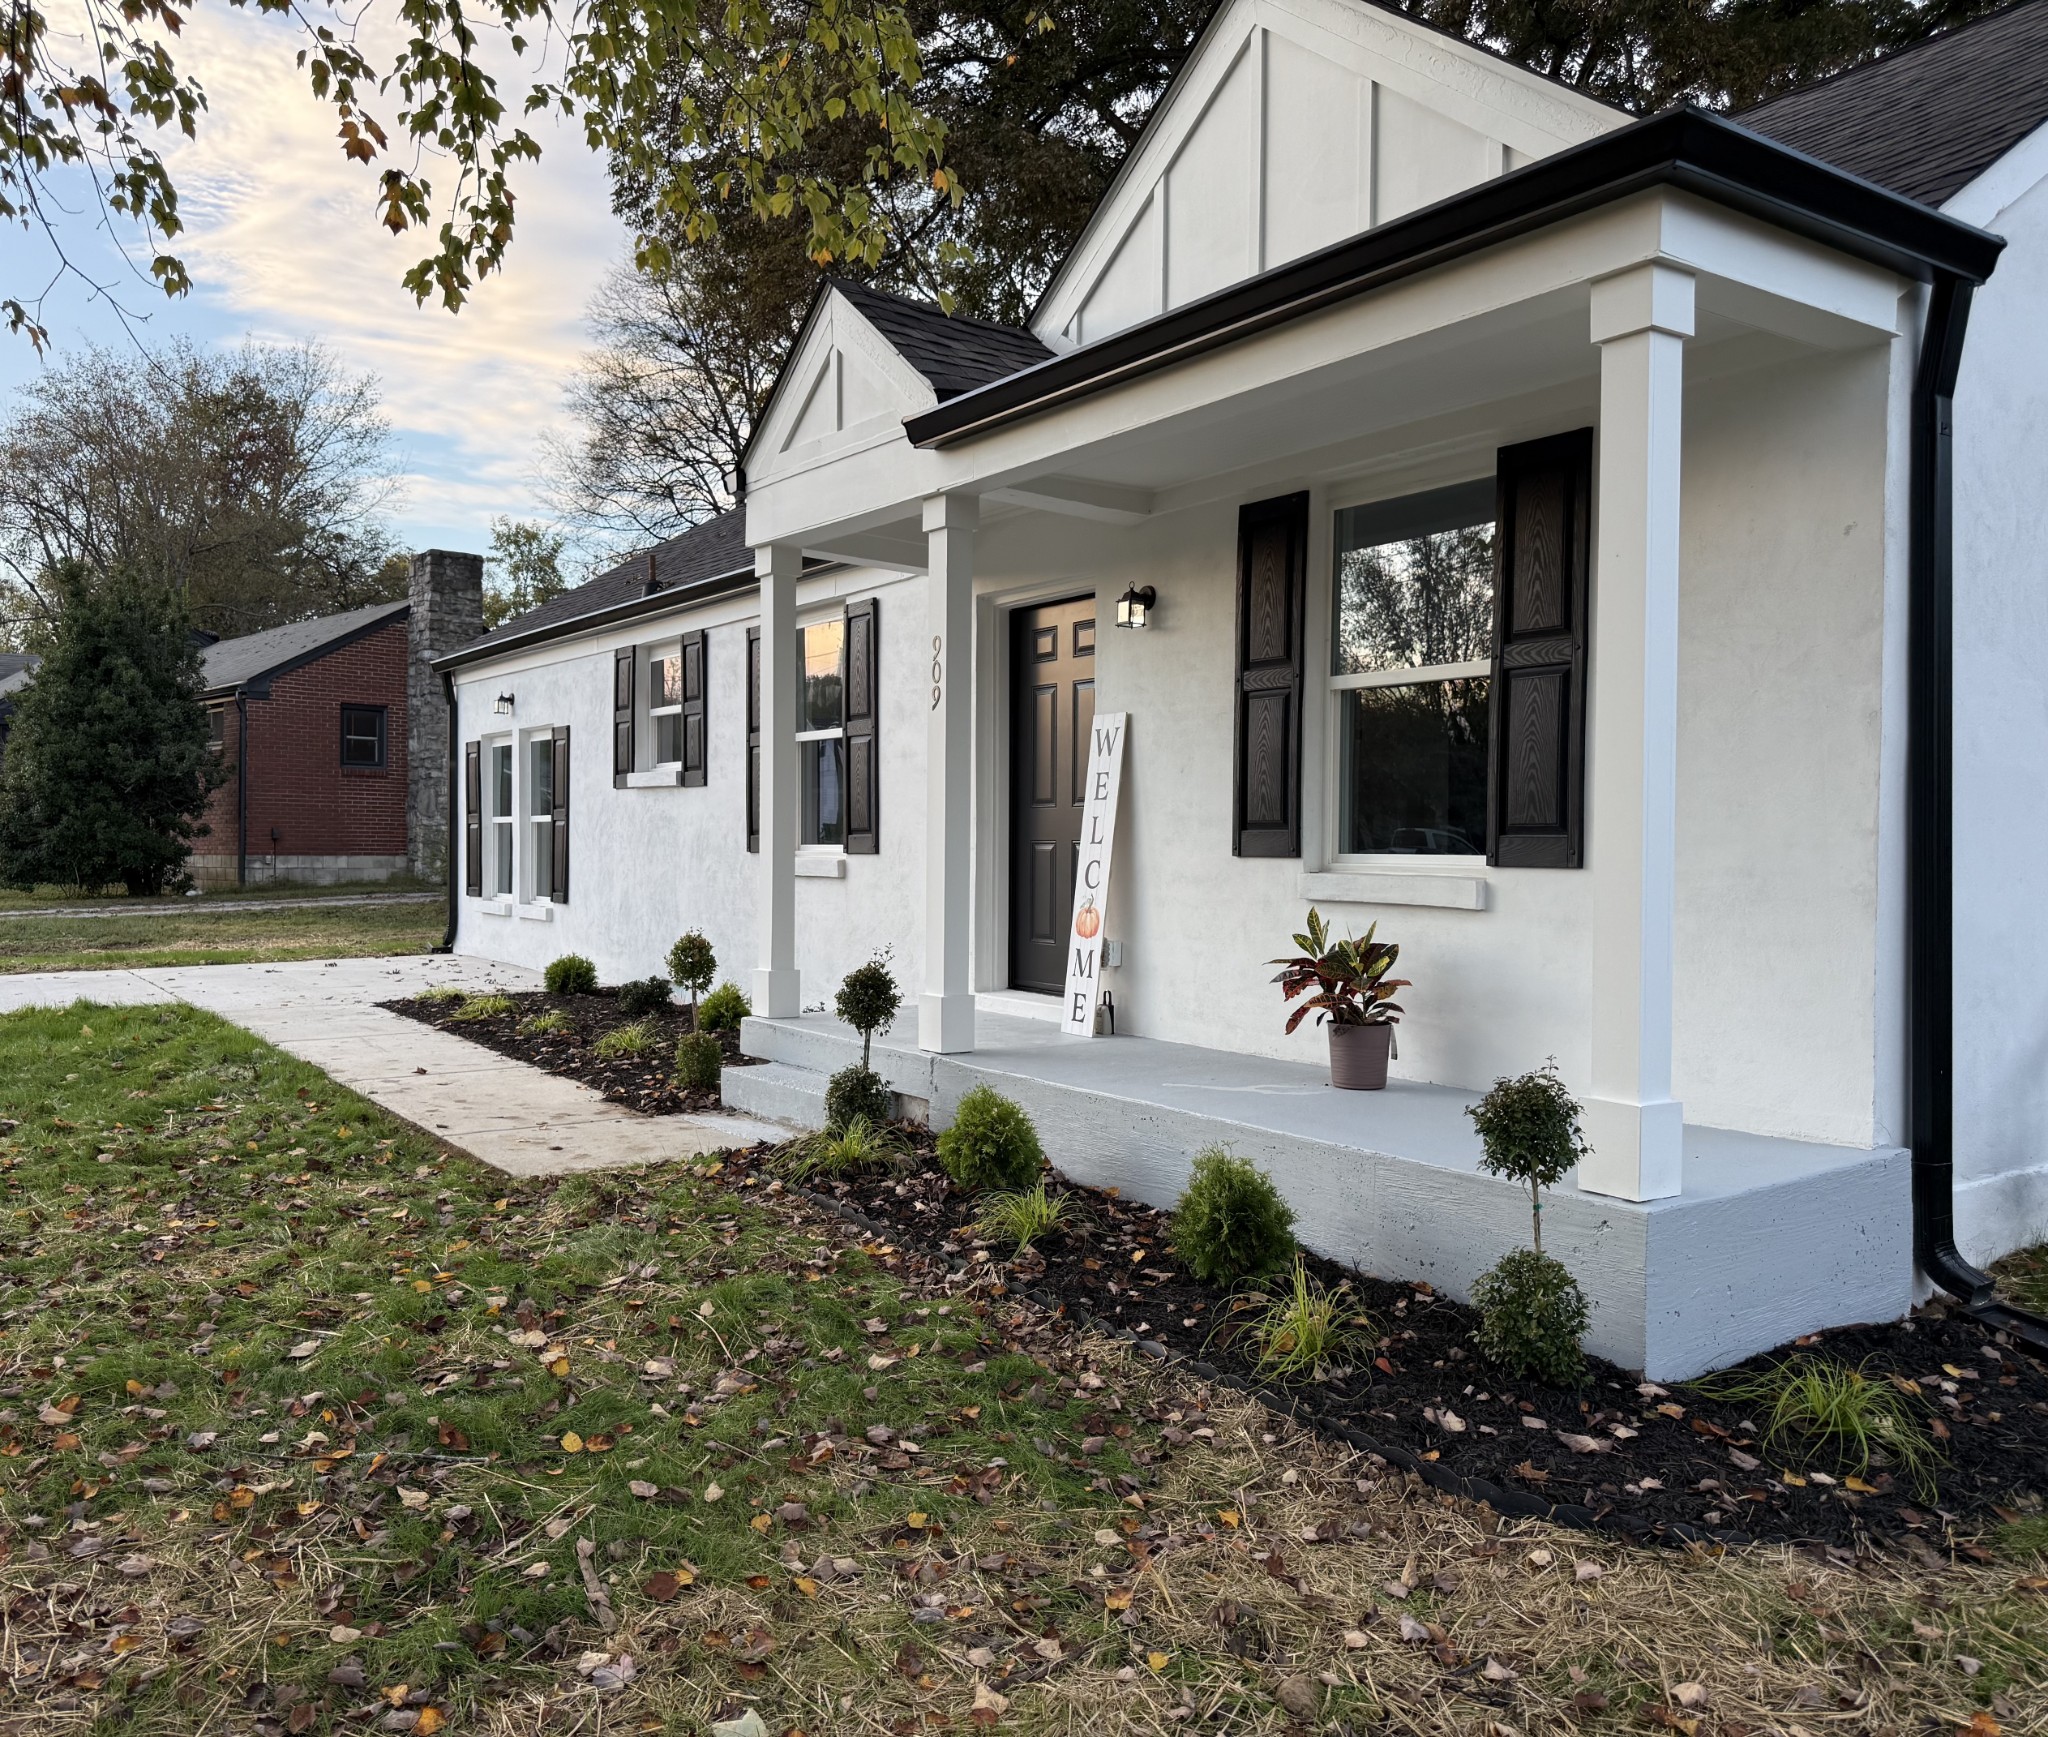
(107, 764)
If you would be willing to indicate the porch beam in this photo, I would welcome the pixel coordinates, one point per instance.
(1641, 319)
(945, 1010)
(777, 988)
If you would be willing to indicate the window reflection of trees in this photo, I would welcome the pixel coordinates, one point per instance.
(1416, 603)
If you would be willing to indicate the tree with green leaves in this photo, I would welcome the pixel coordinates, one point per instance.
(523, 569)
(108, 766)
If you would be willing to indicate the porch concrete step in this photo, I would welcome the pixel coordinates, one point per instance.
(778, 1091)
(825, 1046)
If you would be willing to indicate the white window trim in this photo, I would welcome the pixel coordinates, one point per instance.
(652, 655)
(818, 854)
(514, 834)
(501, 830)
(532, 822)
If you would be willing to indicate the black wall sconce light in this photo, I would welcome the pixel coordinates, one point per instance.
(1134, 607)
(504, 706)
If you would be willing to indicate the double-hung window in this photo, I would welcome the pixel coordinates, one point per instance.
(362, 737)
(1412, 646)
(540, 813)
(499, 757)
(665, 701)
(821, 730)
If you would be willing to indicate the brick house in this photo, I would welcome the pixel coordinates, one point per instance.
(334, 735)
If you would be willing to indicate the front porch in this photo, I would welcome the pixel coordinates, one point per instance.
(1768, 1238)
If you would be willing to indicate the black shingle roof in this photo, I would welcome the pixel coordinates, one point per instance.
(955, 354)
(1930, 119)
(233, 663)
(716, 549)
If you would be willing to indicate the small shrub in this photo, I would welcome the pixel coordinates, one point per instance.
(700, 1058)
(645, 995)
(1529, 1130)
(545, 1024)
(1230, 1223)
(572, 974)
(441, 994)
(483, 1007)
(1023, 1216)
(860, 1146)
(1811, 1401)
(723, 1009)
(1302, 1328)
(991, 1143)
(857, 1091)
(691, 966)
(868, 1001)
(1532, 1315)
(641, 1038)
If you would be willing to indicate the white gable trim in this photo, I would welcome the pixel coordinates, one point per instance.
(1985, 199)
(1520, 114)
(844, 386)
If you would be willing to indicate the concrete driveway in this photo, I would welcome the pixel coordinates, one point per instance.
(514, 1117)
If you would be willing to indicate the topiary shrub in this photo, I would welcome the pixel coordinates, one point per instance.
(991, 1143)
(691, 966)
(1532, 1315)
(645, 995)
(857, 1092)
(723, 1009)
(868, 1000)
(1529, 1131)
(700, 1058)
(1230, 1221)
(572, 974)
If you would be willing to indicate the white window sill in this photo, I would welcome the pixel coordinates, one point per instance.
(542, 912)
(655, 778)
(821, 865)
(496, 907)
(1361, 886)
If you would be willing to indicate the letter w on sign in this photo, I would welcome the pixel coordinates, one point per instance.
(1091, 872)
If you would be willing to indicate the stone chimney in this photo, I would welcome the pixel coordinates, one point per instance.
(447, 613)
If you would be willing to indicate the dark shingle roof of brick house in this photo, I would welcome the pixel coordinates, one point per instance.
(234, 663)
(953, 353)
(1930, 119)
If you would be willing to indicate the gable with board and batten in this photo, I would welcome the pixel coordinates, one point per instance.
(1295, 124)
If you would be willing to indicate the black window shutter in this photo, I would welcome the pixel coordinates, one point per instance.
(1541, 584)
(863, 703)
(753, 738)
(560, 830)
(694, 753)
(473, 819)
(622, 714)
(1272, 594)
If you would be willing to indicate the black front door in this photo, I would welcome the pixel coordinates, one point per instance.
(1052, 703)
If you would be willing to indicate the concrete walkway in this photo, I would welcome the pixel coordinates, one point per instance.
(186, 907)
(507, 1114)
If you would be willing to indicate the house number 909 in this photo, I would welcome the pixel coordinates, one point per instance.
(938, 676)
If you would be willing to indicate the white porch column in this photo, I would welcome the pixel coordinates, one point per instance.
(1641, 319)
(945, 1011)
(777, 988)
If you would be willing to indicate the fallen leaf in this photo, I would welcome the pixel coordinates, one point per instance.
(1301, 1696)
(665, 1583)
(1690, 1695)
(1158, 1661)
(413, 1499)
(1354, 1638)
(1414, 1632)
(572, 1443)
(1587, 1571)
(748, 1724)
(303, 1349)
(643, 1489)
(988, 1705)
(431, 1719)
(712, 1492)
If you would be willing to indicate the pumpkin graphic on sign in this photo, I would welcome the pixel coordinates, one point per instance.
(1088, 920)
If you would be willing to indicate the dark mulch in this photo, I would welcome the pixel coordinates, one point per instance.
(643, 1083)
(1674, 1458)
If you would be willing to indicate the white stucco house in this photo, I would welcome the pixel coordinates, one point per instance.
(1603, 552)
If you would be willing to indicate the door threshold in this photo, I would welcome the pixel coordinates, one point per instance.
(1020, 1003)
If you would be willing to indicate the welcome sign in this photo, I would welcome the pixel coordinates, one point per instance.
(1091, 875)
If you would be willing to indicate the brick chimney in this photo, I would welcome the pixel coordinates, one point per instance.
(447, 613)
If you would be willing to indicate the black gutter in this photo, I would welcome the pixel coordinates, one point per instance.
(651, 603)
(454, 810)
(1687, 149)
(1930, 803)
(241, 789)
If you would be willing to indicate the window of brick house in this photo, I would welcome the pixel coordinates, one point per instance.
(362, 737)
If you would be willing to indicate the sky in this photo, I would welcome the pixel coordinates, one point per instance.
(283, 245)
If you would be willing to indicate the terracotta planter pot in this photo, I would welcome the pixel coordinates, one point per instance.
(1358, 1056)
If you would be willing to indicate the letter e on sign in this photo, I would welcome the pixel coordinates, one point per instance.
(1091, 880)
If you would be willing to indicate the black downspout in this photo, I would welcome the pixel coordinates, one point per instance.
(454, 808)
(241, 789)
(1930, 803)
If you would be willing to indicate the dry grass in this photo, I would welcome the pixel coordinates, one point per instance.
(217, 935)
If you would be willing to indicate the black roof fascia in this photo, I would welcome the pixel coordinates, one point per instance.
(257, 686)
(1685, 148)
(652, 603)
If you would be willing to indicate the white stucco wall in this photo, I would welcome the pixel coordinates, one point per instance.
(2001, 744)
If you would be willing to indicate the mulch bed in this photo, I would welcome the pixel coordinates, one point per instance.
(1643, 1458)
(643, 1083)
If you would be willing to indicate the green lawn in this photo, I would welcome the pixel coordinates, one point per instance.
(16, 899)
(210, 934)
(308, 1425)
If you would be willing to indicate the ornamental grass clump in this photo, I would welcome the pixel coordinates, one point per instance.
(700, 1061)
(443, 993)
(545, 1024)
(1230, 1222)
(854, 1093)
(1532, 1313)
(645, 995)
(724, 1008)
(859, 1147)
(1301, 1331)
(991, 1143)
(641, 1038)
(1023, 1215)
(1814, 1405)
(691, 966)
(572, 974)
(482, 1007)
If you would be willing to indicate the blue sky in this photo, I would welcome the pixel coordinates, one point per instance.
(283, 244)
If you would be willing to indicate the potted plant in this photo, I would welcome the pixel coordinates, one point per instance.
(1351, 993)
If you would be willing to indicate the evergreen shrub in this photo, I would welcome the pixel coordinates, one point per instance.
(1230, 1222)
(991, 1143)
(572, 974)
